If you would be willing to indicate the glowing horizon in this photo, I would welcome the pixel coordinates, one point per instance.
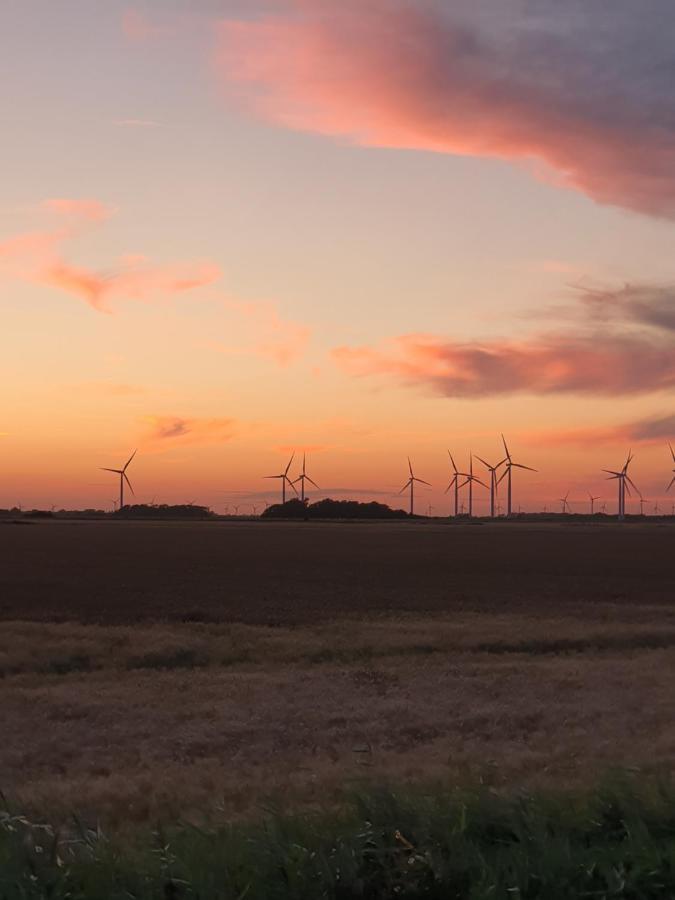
(369, 232)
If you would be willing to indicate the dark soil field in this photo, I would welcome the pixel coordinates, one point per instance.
(151, 672)
(292, 573)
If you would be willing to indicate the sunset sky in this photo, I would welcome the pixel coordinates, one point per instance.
(369, 230)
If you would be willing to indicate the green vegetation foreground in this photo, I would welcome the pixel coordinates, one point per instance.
(616, 842)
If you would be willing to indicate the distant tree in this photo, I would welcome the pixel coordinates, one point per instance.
(332, 509)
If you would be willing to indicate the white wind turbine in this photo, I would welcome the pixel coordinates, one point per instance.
(624, 480)
(593, 499)
(303, 477)
(410, 483)
(470, 479)
(285, 480)
(493, 482)
(123, 477)
(455, 483)
(672, 482)
(510, 464)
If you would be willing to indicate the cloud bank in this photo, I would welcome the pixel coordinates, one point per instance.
(583, 94)
(622, 343)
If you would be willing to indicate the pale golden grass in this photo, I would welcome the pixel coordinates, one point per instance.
(153, 721)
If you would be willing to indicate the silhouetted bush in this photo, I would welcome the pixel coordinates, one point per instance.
(332, 509)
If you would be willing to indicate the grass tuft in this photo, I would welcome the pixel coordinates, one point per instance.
(616, 842)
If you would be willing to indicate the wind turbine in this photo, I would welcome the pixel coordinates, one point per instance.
(470, 478)
(455, 483)
(510, 464)
(624, 480)
(123, 477)
(493, 482)
(565, 504)
(285, 479)
(303, 477)
(672, 482)
(593, 499)
(410, 483)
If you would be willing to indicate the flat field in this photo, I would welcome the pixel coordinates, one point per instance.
(161, 670)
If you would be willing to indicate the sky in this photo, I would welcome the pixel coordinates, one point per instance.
(231, 230)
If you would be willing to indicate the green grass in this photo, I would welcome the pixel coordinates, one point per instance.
(616, 842)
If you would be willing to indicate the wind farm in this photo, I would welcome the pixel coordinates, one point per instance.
(337, 450)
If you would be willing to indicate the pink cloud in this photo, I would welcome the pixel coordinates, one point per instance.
(545, 364)
(164, 431)
(139, 28)
(269, 336)
(89, 209)
(388, 73)
(38, 257)
(655, 430)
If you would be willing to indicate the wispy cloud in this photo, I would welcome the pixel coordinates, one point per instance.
(137, 123)
(168, 431)
(621, 344)
(267, 334)
(586, 96)
(38, 257)
(654, 430)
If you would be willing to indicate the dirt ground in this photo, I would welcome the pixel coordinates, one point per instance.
(155, 671)
(295, 573)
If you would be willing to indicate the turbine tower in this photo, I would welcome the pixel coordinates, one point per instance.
(123, 477)
(455, 483)
(285, 479)
(672, 482)
(510, 464)
(624, 480)
(493, 482)
(470, 479)
(303, 477)
(410, 483)
(593, 499)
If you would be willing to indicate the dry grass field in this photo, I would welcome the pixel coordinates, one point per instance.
(163, 670)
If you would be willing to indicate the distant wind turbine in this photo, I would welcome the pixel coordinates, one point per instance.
(624, 480)
(510, 464)
(593, 499)
(565, 504)
(303, 477)
(455, 483)
(285, 479)
(672, 482)
(493, 482)
(470, 479)
(123, 477)
(410, 483)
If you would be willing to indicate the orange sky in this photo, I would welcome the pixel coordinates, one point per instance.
(368, 231)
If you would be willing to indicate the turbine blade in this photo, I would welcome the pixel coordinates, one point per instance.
(671, 484)
(452, 461)
(289, 463)
(521, 466)
(404, 488)
(478, 481)
(506, 449)
(672, 452)
(274, 476)
(292, 484)
(124, 475)
(502, 476)
(410, 466)
(312, 482)
(487, 465)
(130, 458)
(421, 481)
(116, 471)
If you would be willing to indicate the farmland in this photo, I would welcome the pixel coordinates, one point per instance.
(166, 670)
